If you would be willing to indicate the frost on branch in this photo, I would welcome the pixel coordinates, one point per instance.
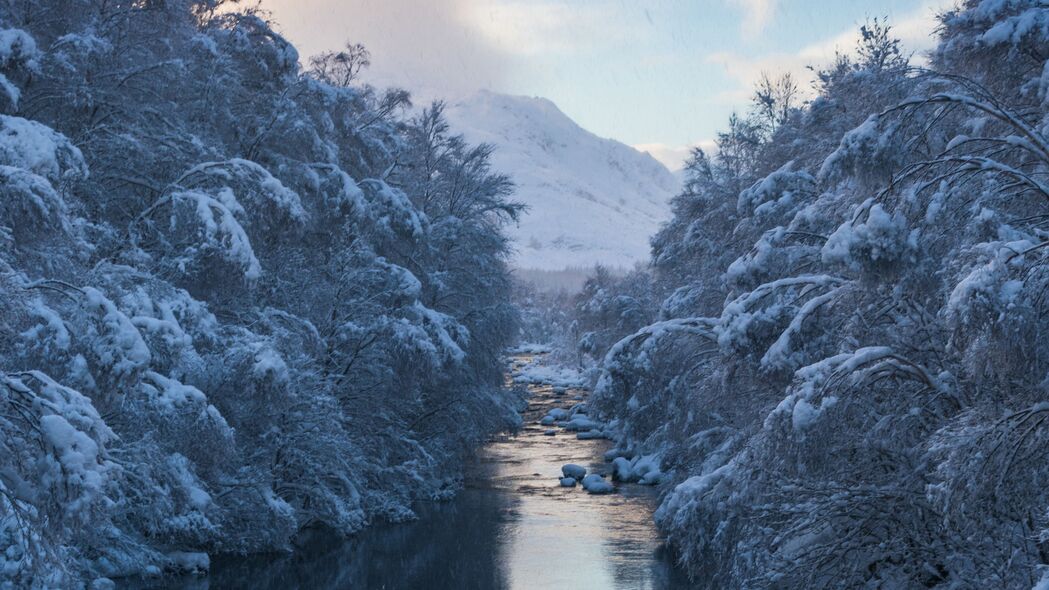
(872, 413)
(279, 316)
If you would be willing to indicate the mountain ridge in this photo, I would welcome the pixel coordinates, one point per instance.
(592, 200)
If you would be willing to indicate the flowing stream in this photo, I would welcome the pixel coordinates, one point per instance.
(512, 526)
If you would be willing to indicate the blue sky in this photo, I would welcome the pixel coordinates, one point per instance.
(659, 74)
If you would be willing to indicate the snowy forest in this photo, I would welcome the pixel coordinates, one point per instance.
(839, 352)
(245, 294)
(239, 297)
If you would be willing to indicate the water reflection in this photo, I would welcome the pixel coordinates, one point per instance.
(450, 547)
(564, 537)
(512, 527)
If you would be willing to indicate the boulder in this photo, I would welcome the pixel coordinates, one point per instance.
(573, 470)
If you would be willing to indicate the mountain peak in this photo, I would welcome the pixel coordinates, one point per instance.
(591, 200)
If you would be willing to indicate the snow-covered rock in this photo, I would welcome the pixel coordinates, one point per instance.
(537, 374)
(531, 348)
(643, 469)
(596, 484)
(622, 470)
(188, 562)
(573, 470)
(558, 414)
(652, 478)
(581, 424)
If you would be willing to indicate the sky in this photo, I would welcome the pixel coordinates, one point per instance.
(661, 75)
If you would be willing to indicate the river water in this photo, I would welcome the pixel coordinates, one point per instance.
(512, 526)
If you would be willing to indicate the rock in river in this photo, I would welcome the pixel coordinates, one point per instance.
(573, 470)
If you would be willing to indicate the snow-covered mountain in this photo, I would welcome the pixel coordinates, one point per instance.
(591, 200)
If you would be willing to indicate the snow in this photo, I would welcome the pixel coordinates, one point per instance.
(78, 455)
(581, 424)
(530, 348)
(14, 93)
(958, 140)
(353, 385)
(198, 497)
(121, 346)
(738, 317)
(350, 193)
(1014, 28)
(225, 231)
(643, 469)
(591, 435)
(780, 354)
(157, 318)
(392, 209)
(986, 284)
(269, 366)
(880, 237)
(558, 413)
(440, 325)
(591, 200)
(539, 374)
(273, 191)
(652, 478)
(862, 143)
(1043, 582)
(573, 470)
(52, 322)
(775, 190)
(622, 470)
(596, 484)
(16, 46)
(806, 414)
(169, 393)
(688, 491)
(39, 149)
(188, 562)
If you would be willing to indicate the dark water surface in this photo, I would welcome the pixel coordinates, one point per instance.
(511, 527)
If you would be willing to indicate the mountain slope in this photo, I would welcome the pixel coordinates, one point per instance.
(591, 200)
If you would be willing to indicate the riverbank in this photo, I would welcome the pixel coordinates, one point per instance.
(512, 526)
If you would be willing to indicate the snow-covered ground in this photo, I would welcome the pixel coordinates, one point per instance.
(591, 200)
(536, 373)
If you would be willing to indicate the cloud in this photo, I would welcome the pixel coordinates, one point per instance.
(433, 47)
(914, 29)
(452, 47)
(757, 14)
(552, 27)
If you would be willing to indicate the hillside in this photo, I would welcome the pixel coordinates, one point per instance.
(591, 200)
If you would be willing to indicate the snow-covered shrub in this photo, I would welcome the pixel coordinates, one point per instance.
(853, 395)
(239, 300)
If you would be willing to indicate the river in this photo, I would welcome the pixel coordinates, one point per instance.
(512, 526)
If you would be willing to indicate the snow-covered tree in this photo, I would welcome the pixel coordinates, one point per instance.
(847, 381)
(241, 298)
